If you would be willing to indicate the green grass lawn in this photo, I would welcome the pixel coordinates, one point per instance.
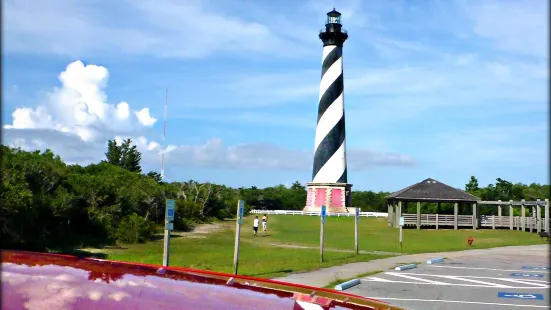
(261, 256)
(215, 252)
(375, 235)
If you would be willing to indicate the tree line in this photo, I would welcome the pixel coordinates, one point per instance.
(46, 202)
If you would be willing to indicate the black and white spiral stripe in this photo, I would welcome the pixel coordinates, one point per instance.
(330, 145)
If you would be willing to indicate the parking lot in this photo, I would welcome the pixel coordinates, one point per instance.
(468, 282)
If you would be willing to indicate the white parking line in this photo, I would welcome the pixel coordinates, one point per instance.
(446, 276)
(415, 278)
(459, 301)
(526, 282)
(495, 282)
(478, 268)
(478, 281)
(374, 279)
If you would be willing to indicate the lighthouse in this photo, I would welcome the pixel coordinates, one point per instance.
(329, 184)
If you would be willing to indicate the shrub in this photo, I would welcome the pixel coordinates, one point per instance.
(134, 228)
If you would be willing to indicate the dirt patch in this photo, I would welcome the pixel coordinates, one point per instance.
(201, 230)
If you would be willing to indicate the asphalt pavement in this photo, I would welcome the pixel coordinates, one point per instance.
(511, 280)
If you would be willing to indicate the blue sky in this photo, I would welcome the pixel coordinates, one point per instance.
(441, 89)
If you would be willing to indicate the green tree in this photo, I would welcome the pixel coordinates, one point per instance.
(113, 153)
(130, 156)
(155, 176)
(125, 155)
(472, 186)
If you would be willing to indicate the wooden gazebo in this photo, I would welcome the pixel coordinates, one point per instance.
(432, 191)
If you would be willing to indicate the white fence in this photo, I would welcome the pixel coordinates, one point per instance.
(311, 213)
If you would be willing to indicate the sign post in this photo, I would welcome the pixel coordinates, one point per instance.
(239, 221)
(356, 221)
(169, 226)
(401, 225)
(323, 214)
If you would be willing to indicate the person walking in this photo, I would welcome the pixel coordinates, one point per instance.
(255, 225)
(264, 222)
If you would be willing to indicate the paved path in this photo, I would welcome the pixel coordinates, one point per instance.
(323, 277)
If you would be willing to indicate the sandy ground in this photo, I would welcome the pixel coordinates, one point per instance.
(200, 231)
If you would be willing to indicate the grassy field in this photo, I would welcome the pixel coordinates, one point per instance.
(291, 245)
(375, 235)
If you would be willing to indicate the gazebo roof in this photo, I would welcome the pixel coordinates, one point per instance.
(434, 191)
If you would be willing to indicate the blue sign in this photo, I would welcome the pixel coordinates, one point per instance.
(535, 268)
(323, 214)
(520, 295)
(526, 275)
(170, 212)
(358, 214)
(170, 205)
(241, 206)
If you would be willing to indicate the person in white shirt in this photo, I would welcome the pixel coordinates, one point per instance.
(264, 222)
(255, 225)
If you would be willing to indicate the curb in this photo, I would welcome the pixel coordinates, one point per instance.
(347, 284)
(405, 267)
(436, 260)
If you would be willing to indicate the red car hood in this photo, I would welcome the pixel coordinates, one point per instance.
(41, 281)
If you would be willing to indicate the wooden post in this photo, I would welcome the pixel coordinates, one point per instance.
(499, 214)
(399, 213)
(546, 220)
(533, 219)
(395, 214)
(418, 215)
(390, 215)
(238, 222)
(538, 216)
(493, 221)
(356, 221)
(400, 224)
(475, 219)
(323, 210)
(455, 207)
(510, 215)
(523, 215)
(169, 217)
(166, 247)
(436, 221)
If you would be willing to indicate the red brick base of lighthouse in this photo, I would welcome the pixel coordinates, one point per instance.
(335, 196)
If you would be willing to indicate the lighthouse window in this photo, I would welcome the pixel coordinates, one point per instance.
(334, 20)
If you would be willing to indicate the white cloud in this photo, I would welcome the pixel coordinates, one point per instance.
(515, 26)
(212, 154)
(144, 118)
(162, 28)
(75, 121)
(80, 107)
(451, 80)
